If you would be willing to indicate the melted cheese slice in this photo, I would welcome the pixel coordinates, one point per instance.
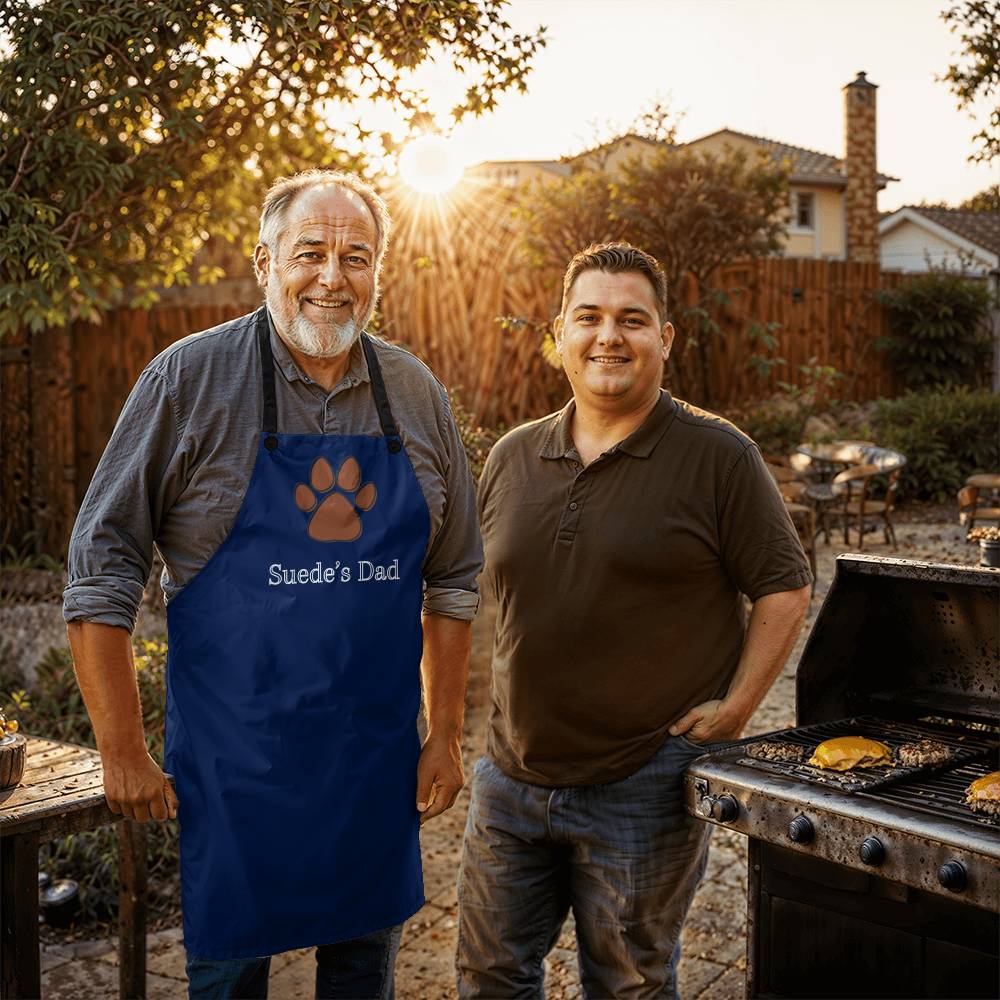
(986, 788)
(846, 752)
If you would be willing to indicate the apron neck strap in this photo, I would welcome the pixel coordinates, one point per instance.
(385, 418)
(267, 374)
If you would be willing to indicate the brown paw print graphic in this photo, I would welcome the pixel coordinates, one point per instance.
(335, 516)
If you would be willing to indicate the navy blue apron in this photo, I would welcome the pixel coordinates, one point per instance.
(293, 689)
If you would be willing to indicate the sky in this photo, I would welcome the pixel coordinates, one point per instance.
(773, 68)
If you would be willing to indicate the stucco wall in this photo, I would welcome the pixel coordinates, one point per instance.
(826, 240)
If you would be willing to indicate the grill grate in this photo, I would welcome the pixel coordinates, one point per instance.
(967, 746)
(942, 794)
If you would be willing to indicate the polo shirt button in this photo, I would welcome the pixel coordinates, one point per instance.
(573, 505)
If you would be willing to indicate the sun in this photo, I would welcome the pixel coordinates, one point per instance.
(430, 164)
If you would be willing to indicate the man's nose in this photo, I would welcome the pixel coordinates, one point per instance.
(609, 332)
(331, 275)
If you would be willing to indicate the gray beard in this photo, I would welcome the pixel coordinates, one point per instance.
(326, 341)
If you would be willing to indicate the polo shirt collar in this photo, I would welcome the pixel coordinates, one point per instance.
(357, 368)
(558, 443)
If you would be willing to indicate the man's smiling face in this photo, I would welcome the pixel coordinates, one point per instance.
(320, 277)
(612, 340)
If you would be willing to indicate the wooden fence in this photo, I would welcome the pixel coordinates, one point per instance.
(454, 270)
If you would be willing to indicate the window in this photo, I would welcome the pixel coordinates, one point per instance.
(803, 210)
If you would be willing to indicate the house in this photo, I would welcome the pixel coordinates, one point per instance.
(513, 173)
(833, 211)
(917, 239)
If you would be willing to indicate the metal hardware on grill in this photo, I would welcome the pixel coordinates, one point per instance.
(888, 865)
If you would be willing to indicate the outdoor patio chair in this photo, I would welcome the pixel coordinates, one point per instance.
(972, 507)
(818, 494)
(853, 486)
(804, 520)
(789, 486)
(781, 473)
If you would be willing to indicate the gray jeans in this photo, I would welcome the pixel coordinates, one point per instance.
(624, 856)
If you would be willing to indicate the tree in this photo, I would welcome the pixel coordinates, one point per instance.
(562, 217)
(977, 75)
(134, 132)
(985, 201)
(694, 212)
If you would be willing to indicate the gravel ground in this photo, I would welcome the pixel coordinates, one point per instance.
(714, 940)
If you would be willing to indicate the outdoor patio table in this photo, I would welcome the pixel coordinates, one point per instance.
(829, 459)
(62, 793)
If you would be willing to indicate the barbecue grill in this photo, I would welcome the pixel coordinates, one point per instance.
(876, 882)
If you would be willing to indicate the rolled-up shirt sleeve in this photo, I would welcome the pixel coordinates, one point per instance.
(455, 557)
(111, 548)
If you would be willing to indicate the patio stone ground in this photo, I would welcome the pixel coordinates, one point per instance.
(714, 939)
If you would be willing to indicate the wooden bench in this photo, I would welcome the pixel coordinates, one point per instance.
(62, 792)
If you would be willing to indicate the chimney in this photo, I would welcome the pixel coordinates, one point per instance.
(859, 159)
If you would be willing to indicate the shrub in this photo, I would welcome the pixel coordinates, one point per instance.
(946, 435)
(938, 336)
(55, 710)
(776, 425)
(477, 440)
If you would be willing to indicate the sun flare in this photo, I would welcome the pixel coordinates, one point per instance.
(430, 164)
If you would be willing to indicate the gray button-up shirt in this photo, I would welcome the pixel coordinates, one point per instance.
(178, 464)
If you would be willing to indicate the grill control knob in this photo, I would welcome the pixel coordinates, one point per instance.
(800, 830)
(952, 876)
(725, 809)
(872, 852)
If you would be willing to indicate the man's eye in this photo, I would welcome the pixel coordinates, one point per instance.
(309, 253)
(586, 318)
(355, 259)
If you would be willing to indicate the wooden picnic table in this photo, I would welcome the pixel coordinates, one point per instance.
(62, 792)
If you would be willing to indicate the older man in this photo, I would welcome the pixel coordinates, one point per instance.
(621, 535)
(307, 488)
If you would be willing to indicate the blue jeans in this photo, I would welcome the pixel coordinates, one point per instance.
(625, 857)
(359, 969)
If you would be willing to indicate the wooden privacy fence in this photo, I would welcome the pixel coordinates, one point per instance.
(454, 270)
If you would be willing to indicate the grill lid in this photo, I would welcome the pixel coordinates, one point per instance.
(904, 637)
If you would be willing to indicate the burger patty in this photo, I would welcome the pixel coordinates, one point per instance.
(922, 753)
(788, 753)
(983, 795)
(991, 807)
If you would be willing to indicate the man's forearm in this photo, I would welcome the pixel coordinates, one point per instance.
(105, 671)
(774, 626)
(445, 671)
(133, 782)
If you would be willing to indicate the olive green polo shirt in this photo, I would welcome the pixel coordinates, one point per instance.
(619, 585)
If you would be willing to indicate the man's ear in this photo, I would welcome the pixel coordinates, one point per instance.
(557, 331)
(668, 339)
(261, 263)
